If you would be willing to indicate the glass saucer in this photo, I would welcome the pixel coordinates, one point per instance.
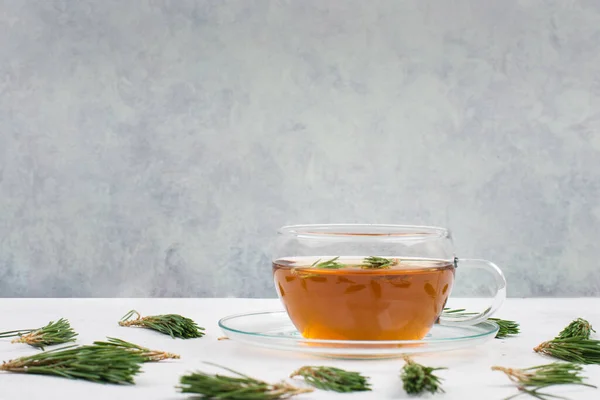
(274, 330)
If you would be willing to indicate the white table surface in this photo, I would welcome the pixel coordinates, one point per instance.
(468, 375)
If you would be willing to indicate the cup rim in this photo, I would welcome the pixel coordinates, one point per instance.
(363, 231)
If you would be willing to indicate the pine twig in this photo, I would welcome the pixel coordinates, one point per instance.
(56, 332)
(577, 328)
(334, 379)
(92, 363)
(173, 325)
(532, 380)
(573, 349)
(147, 354)
(505, 327)
(379, 263)
(329, 264)
(239, 386)
(418, 378)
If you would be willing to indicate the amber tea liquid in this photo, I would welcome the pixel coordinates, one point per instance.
(351, 303)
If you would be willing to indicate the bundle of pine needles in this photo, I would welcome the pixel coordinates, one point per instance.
(147, 354)
(577, 328)
(99, 364)
(573, 349)
(328, 264)
(170, 324)
(379, 263)
(532, 380)
(335, 379)
(239, 386)
(58, 332)
(505, 327)
(418, 378)
(573, 344)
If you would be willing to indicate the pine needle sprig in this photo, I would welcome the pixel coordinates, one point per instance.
(379, 263)
(573, 349)
(147, 354)
(418, 378)
(173, 325)
(577, 328)
(532, 380)
(92, 363)
(56, 332)
(505, 327)
(329, 264)
(334, 379)
(239, 386)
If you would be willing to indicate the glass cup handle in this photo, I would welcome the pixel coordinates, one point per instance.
(463, 319)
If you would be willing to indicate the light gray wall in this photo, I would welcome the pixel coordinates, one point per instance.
(152, 148)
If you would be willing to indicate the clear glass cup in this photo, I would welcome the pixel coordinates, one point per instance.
(372, 282)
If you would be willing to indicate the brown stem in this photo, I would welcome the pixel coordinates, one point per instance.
(161, 355)
(541, 347)
(12, 365)
(514, 374)
(133, 322)
(29, 338)
(298, 372)
(284, 388)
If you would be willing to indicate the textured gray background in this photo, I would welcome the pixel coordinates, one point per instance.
(152, 148)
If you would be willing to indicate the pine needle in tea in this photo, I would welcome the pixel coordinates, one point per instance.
(574, 349)
(239, 386)
(334, 379)
(56, 332)
(505, 327)
(532, 380)
(329, 264)
(147, 354)
(418, 378)
(173, 325)
(93, 363)
(379, 263)
(577, 328)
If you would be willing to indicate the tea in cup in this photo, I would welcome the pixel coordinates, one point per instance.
(371, 282)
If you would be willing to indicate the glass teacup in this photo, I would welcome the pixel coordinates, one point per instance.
(372, 282)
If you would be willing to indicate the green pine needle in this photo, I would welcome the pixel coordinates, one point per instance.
(379, 263)
(329, 264)
(532, 380)
(147, 354)
(239, 387)
(368, 263)
(418, 378)
(335, 379)
(170, 324)
(506, 327)
(56, 332)
(577, 328)
(573, 349)
(93, 363)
